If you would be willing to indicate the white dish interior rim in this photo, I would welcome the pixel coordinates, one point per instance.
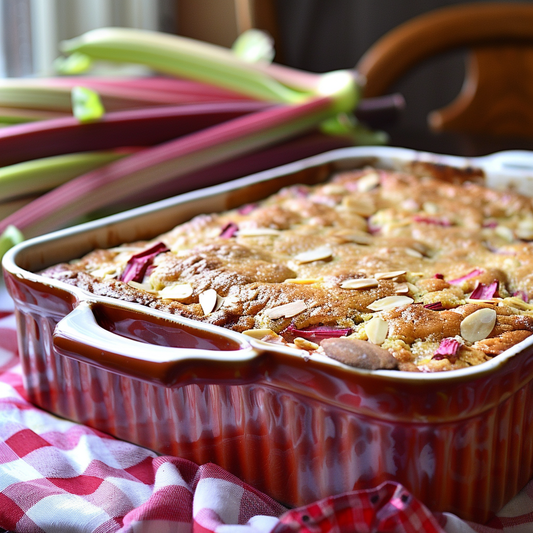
(512, 168)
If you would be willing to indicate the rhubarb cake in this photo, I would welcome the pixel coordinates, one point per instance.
(376, 269)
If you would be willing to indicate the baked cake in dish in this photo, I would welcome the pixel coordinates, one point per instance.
(375, 268)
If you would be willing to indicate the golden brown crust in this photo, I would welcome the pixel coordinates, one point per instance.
(497, 345)
(446, 267)
(414, 322)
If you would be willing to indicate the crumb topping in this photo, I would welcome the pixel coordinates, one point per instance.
(437, 275)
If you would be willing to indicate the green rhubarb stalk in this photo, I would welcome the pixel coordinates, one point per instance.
(112, 89)
(253, 76)
(42, 175)
(153, 166)
(189, 58)
(28, 100)
(256, 46)
(10, 116)
(15, 93)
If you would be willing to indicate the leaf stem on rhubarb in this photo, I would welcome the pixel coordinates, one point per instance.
(86, 104)
(9, 238)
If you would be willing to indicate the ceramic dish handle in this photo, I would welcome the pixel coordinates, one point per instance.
(511, 169)
(123, 340)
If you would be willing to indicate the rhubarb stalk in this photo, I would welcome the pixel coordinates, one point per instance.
(41, 98)
(170, 160)
(42, 175)
(138, 264)
(303, 109)
(182, 57)
(141, 127)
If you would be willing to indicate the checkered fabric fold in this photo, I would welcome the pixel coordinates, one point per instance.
(58, 476)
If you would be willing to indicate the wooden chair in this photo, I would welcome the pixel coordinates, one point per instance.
(497, 93)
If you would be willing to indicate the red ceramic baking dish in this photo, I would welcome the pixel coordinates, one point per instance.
(295, 427)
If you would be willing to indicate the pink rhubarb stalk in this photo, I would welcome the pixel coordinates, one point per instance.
(229, 230)
(138, 264)
(448, 349)
(432, 220)
(436, 306)
(521, 294)
(142, 127)
(485, 292)
(123, 93)
(319, 332)
(473, 274)
(153, 166)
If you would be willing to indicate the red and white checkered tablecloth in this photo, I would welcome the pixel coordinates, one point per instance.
(58, 476)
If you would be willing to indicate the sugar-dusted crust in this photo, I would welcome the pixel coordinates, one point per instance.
(445, 271)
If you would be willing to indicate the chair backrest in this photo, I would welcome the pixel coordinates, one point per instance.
(497, 94)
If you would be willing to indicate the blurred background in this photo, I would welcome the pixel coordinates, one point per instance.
(315, 35)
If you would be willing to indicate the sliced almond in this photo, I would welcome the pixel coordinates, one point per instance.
(258, 232)
(390, 302)
(368, 182)
(317, 254)
(395, 224)
(208, 300)
(260, 333)
(413, 253)
(142, 286)
(220, 302)
(412, 288)
(362, 207)
(525, 229)
(525, 234)
(376, 330)
(505, 233)
(361, 238)
(356, 238)
(518, 303)
(286, 310)
(109, 271)
(126, 249)
(430, 208)
(122, 258)
(478, 325)
(482, 300)
(228, 301)
(303, 281)
(304, 344)
(389, 275)
(363, 283)
(333, 188)
(177, 291)
(402, 288)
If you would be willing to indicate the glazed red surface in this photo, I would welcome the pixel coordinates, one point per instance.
(297, 430)
(147, 329)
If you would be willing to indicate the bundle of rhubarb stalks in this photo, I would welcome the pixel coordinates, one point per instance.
(81, 144)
